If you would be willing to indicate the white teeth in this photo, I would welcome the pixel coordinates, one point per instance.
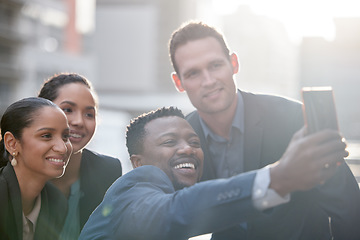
(185, 165)
(74, 135)
(55, 160)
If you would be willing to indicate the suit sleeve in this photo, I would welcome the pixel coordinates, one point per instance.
(340, 198)
(143, 205)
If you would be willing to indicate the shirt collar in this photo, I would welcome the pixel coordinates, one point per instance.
(34, 214)
(238, 121)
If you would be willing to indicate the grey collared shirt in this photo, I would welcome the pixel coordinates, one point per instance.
(228, 159)
(228, 155)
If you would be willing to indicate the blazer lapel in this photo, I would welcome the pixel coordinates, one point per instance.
(208, 170)
(15, 197)
(253, 133)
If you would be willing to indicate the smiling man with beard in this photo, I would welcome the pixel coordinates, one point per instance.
(161, 199)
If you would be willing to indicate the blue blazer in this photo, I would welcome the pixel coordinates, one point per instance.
(270, 122)
(52, 212)
(143, 204)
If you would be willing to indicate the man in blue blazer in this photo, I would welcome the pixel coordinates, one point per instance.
(160, 199)
(242, 131)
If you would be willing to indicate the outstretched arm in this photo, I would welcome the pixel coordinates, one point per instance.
(309, 160)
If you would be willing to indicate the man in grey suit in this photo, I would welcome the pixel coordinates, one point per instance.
(160, 199)
(242, 131)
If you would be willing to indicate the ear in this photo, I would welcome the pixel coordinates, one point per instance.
(177, 82)
(234, 63)
(136, 160)
(11, 143)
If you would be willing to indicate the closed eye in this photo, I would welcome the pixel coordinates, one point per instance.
(169, 142)
(195, 143)
(216, 65)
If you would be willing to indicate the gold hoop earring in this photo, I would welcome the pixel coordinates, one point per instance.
(13, 160)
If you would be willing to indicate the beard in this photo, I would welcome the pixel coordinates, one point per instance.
(179, 185)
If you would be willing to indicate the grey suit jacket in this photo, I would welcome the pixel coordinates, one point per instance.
(270, 122)
(143, 204)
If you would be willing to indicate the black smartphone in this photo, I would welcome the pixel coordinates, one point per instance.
(319, 109)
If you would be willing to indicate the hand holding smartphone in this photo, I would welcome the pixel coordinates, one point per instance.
(319, 109)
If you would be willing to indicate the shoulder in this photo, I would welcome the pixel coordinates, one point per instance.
(271, 106)
(89, 154)
(147, 176)
(268, 99)
(95, 159)
(7, 177)
(98, 166)
(193, 119)
(3, 185)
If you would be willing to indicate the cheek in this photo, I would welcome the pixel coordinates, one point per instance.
(34, 150)
(191, 85)
(69, 147)
(91, 126)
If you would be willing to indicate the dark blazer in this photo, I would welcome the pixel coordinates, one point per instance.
(270, 122)
(52, 212)
(97, 173)
(143, 204)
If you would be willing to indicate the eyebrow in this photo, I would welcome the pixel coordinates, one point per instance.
(174, 134)
(68, 102)
(50, 129)
(90, 107)
(74, 104)
(45, 129)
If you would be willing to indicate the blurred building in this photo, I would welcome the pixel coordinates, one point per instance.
(121, 47)
(268, 59)
(39, 38)
(132, 57)
(337, 64)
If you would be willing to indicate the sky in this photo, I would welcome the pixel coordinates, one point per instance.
(300, 17)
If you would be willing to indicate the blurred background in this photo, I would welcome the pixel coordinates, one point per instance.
(121, 47)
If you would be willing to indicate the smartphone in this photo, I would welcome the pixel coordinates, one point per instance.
(319, 109)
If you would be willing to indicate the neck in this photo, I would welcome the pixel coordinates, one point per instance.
(220, 122)
(30, 189)
(71, 174)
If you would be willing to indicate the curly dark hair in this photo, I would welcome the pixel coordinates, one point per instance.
(135, 131)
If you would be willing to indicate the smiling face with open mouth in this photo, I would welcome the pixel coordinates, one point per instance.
(44, 147)
(172, 145)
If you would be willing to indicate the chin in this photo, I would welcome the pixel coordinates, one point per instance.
(180, 185)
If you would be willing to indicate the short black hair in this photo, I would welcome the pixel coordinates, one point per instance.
(135, 131)
(191, 31)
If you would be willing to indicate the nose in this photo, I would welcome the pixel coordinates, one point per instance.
(60, 146)
(186, 149)
(208, 79)
(76, 119)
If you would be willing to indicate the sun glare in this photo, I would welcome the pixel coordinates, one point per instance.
(301, 17)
